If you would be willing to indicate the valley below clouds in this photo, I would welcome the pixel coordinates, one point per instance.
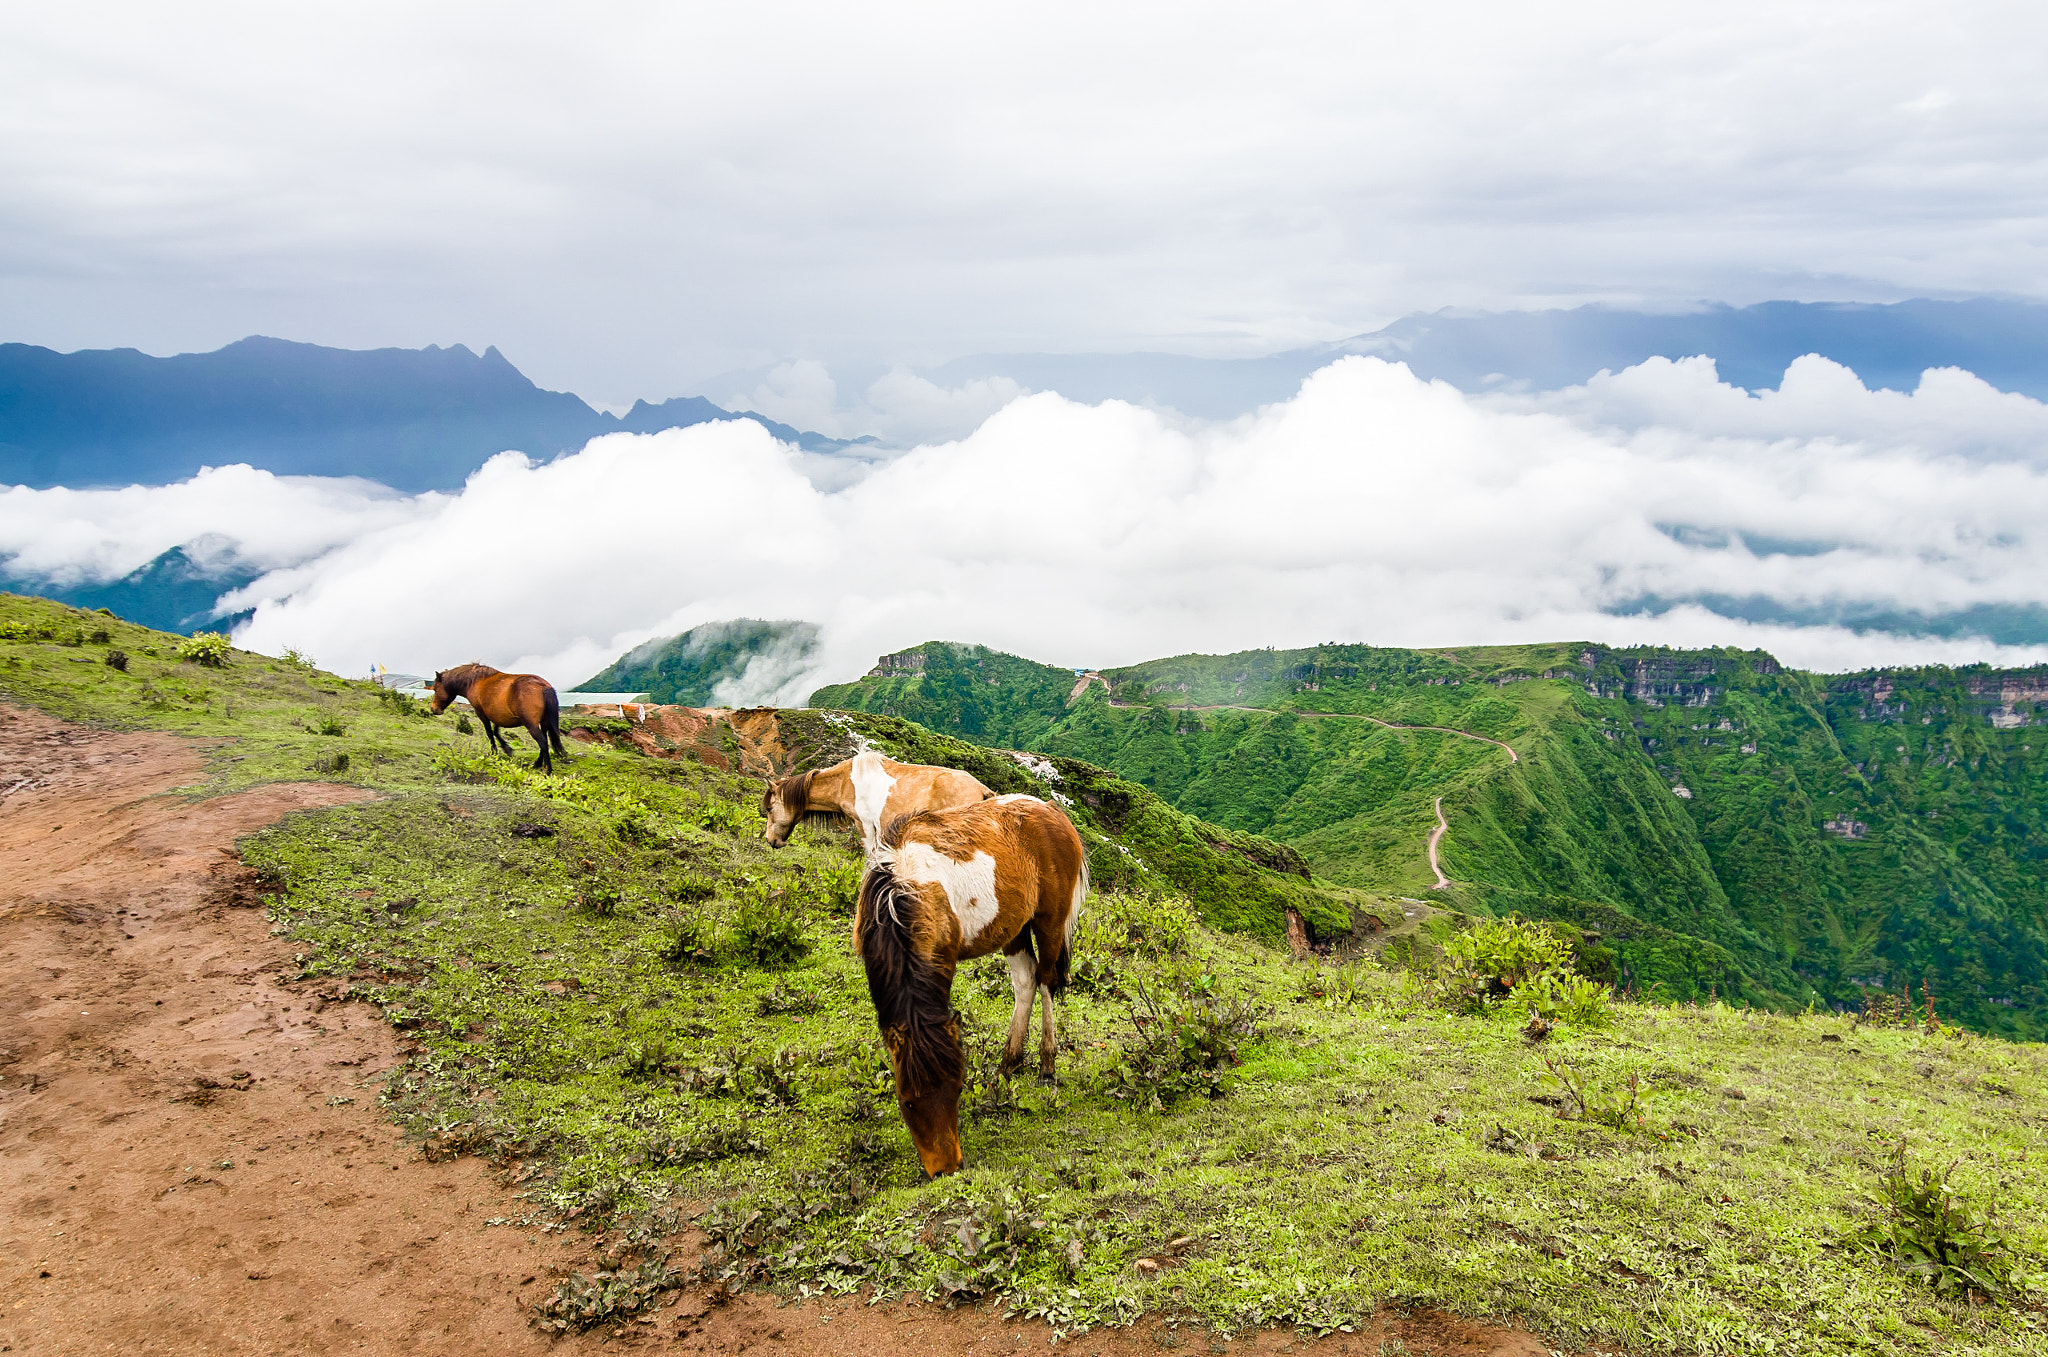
(1832, 525)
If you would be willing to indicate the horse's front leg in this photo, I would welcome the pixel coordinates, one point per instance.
(1024, 980)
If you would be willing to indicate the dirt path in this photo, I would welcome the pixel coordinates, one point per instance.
(191, 1155)
(1435, 837)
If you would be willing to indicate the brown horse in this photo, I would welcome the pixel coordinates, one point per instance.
(506, 700)
(1008, 875)
(873, 790)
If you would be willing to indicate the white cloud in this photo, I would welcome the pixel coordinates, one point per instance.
(260, 519)
(1372, 506)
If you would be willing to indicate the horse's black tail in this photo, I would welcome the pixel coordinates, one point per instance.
(1065, 959)
(912, 996)
(551, 719)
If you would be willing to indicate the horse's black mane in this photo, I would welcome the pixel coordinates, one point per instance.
(909, 992)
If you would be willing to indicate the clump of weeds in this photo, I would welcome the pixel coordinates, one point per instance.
(1932, 1232)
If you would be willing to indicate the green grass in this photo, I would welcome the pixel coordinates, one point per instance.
(578, 962)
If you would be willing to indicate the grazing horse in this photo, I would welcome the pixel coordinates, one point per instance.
(873, 790)
(506, 700)
(1007, 874)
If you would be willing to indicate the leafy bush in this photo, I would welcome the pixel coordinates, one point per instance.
(1491, 958)
(1183, 1045)
(209, 648)
(1523, 968)
(330, 725)
(1124, 923)
(1932, 1233)
(463, 725)
(768, 928)
(117, 660)
(1556, 997)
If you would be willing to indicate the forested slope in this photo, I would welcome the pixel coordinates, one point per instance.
(1726, 823)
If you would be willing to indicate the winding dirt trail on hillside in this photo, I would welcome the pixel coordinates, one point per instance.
(1442, 825)
(191, 1155)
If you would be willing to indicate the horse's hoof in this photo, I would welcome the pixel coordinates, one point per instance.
(1046, 1077)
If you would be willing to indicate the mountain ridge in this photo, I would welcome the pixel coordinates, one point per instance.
(412, 419)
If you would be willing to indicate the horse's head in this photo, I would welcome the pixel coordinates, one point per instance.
(930, 1069)
(782, 805)
(444, 692)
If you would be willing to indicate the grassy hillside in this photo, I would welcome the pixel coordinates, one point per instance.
(1731, 826)
(612, 988)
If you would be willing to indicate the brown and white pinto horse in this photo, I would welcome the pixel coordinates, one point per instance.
(872, 790)
(1007, 874)
(505, 700)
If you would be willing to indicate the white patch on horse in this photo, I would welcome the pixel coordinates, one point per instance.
(872, 784)
(970, 886)
(1007, 797)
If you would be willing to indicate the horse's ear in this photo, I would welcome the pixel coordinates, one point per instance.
(953, 1027)
(894, 1039)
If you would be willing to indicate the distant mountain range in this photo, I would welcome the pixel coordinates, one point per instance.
(1890, 345)
(414, 419)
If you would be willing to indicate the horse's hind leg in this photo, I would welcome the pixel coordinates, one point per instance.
(544, 763)
(1024, 980)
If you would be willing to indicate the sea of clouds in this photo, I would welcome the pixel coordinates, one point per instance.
(1372, 506)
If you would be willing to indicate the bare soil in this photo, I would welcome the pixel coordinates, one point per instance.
(191, 1157)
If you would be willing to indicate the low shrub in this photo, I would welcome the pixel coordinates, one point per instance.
(708, 1145)
(117, 660)
(1616, 1108)
(1932, 1233)
(589, 1299)
(686, 939)
(768, 928)
(1565, 997)
(1183, 1045)
(208, 648)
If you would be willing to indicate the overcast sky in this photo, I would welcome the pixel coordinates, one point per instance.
(630, 198)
